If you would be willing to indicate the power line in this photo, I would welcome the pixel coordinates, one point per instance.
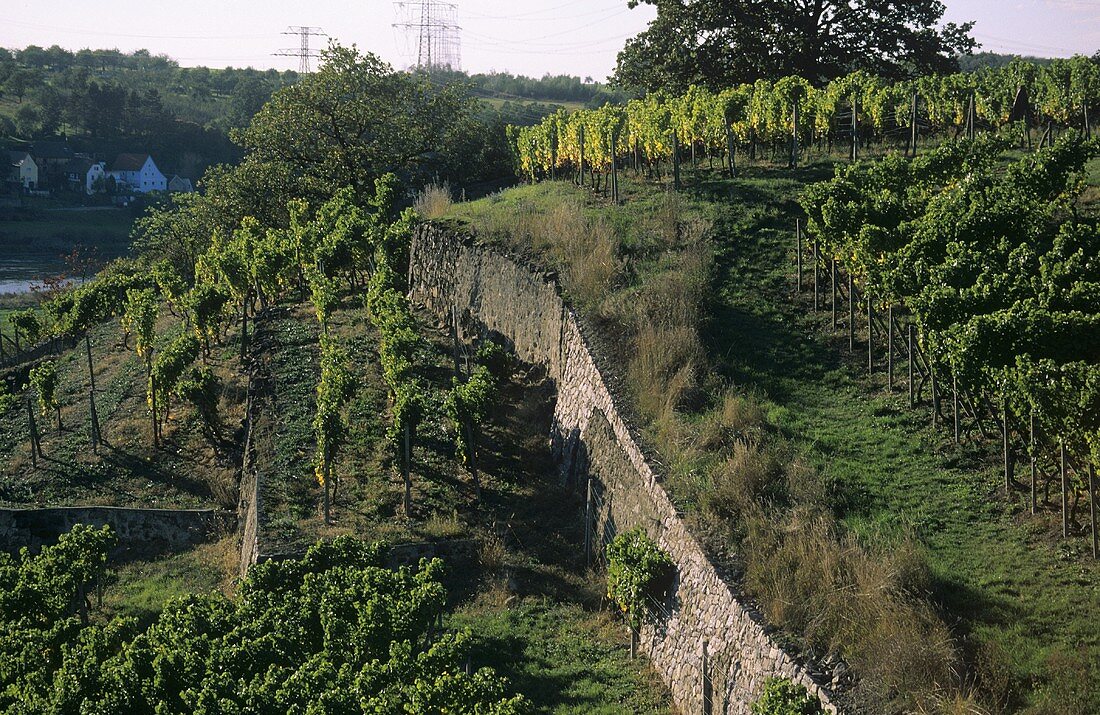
(303, 52)
(438, 43)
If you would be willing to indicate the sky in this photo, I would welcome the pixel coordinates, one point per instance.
(531, 37)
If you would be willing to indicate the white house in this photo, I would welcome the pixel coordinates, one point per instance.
(137, 173)
(85, 174)
(22, 170)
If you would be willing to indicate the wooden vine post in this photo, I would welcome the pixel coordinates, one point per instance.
(855, 128)
(36, 445)
(832, 288)
(851, 314)
(817, 292)
(935, 395)
(798, 253)
(890, 348)
(588, 523)
(870, 335)
(794, 135)
(1092, 511)
(955, 402)
(1006, 415)
(1034, 466)
(731, 148)
(580, 140)
(912, 388)
(1065, 489)
(95, 434)
(675, 160)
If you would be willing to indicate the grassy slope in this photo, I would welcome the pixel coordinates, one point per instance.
(1021, 598)
(536, 614)
(1006, 578)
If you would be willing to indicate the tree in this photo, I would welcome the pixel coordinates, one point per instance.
(140, 318)
(352, 121)
(720, 43)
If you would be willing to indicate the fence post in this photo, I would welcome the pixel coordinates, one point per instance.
(1065, 490)
(870, 336)
(633, 642)
(935, 396)
(890, 348)
(588, 524)
(708, 684)
(817, 297)
(851, 314)
(1092, 511)
(1031, 442)
(581, 138)
(798, 252)
(675, 160)
(955, 402)
(832, 288)
(1009, 466)
(912, 391)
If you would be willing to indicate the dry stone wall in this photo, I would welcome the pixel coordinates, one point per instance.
(714, 652)
(140, 532)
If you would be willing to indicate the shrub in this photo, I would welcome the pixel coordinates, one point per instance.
(637, 572)
(783, 697)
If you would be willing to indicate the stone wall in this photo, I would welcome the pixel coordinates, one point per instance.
(140, 532)
(714, 652)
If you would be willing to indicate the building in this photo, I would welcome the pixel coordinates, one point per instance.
(22, 170)
(137, 173)
(83, 174)
(179, 185)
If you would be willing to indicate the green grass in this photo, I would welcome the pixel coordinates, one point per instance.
(140, 589)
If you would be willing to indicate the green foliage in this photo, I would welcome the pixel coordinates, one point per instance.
(7, 399)
(43, 380)
(202, 388)
(783, 697)
(637, 571)
(334, 390)
(468, 405)
(352, 121)
(27, 325)
(206, 304)
(139, 318)
(999, 272)
(334, 629)
(169, 366)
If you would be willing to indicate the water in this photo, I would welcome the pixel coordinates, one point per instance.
(19, 271)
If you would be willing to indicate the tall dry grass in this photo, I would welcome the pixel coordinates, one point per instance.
(434, 201)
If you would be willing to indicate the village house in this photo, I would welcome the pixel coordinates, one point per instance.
(22, 170)
(86, 175)
(179, 185)
(137, 173)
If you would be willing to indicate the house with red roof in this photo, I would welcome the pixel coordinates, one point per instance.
(137, 173)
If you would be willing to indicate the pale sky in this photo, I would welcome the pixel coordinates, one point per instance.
(532, 37)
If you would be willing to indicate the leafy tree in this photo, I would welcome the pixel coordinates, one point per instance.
(467, 405)
(334, 390)
(169, 366)
(352, 121)
(27, 325)
(140, 318)
(720, 43)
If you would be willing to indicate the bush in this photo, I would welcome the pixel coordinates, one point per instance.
(637, 572)
(783, 697)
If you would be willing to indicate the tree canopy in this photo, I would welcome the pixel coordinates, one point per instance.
(721, 43)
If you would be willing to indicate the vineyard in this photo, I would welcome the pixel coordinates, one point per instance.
(790, 116)
(985, 278)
